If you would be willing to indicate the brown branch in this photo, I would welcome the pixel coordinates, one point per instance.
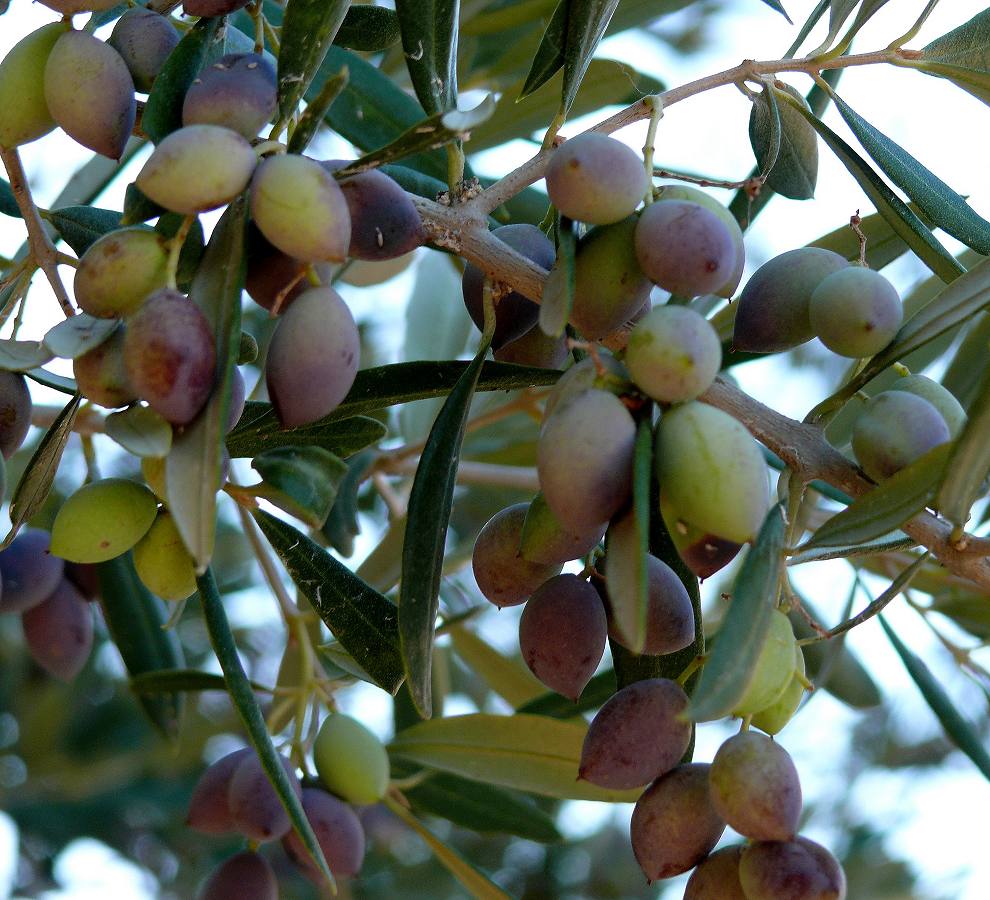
(42, 249)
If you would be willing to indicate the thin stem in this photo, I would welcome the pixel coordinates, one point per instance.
(42, 249)
(175, 248)
(649, 148)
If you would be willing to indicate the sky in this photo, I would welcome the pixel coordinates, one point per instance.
(936, 822)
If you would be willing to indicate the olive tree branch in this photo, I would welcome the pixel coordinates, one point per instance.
(42, 249)
(748, 70)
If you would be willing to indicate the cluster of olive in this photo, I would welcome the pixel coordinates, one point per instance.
(234, 795)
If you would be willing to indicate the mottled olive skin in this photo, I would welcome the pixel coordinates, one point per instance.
(119, 270)
(597, 179)
(245, 876)
(637, 736)
(674, 824)
(255, 808)
(22, 92)
(197, 168)
(717, 877)
(943, 400)
(684, 248)
(312, 358)
(28, 572)
(536, 348)
(209, 810)
(15, 412)
(504, 576)
(856, 312)
(673, 354)
(297, 205)
(696, 195)
(711, 472)
(59, 632)
(773, 312)
(350, 759)
(893, 430)
(755, 787)
(144, 39)
(584, 459)
(90, 93)
(609, 285)
(514, 314)
(774, 667)
(791, 870)
(545, 540)
(162, 562)
(562, 634)
(238, 91)
(338, 831)
(102, 519)
(669, 613)
(170, 356)
(702, 552)
(384, 221)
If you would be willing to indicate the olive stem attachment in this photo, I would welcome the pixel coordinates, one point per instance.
(175, 246)
(42, 249)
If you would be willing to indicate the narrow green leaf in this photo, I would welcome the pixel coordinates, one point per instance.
(169, 681)
(372, 111)
(368, 29)
(866, 12)
(379, 388)
(163, 111)
(362, 620)
(743, 632)
(971, 612)
(477, 883)
(764, 130)
(140, 430)
(22, 356)
(523, 752)
(888, 506)
(956, 727)
(552, 704)
(972, 81)
(969, 462)
(193, 465)
(242, 696)
(56, 382)
(509, 678)
(436, 131)
(301, 480)
(965, 46)
(904, 222)
(429, 40)
(886, 543)
(80, 226)
(39, 474)
(952, 306)
(78, 335)
(947, 209)
(342, 526)
(814, 17)
(586, 24)
(316, 110)
(776, 5)
(558, 292)
(308, 30)
(428, 515)
(134, 618)
(794, 172)
(549, 58)
(258, 431)
(8, 204)
(480, 807)
(965, 375)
